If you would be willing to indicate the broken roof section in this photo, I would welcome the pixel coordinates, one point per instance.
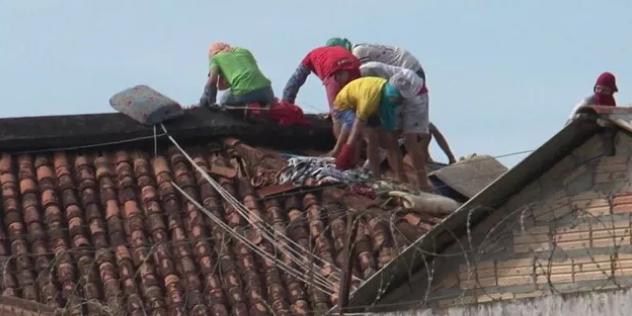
(388, 285)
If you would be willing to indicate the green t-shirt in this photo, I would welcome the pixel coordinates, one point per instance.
(239, 69)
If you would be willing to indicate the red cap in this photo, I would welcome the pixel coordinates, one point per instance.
(606, 79)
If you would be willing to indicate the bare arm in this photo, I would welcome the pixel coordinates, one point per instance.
(443, 143)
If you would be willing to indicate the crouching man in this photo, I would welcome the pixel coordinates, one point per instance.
(366, 107)
(235, 69)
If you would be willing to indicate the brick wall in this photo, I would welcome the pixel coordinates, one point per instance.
(569, 231)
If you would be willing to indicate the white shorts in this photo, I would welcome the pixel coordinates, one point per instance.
(413, 115)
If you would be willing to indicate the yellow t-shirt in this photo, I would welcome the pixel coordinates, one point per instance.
(361, 95)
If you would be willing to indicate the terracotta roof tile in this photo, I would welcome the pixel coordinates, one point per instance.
(107, 232)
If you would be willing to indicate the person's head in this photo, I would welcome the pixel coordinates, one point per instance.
(218, 47)
(605, 84)
(338, 41)
(407, 82)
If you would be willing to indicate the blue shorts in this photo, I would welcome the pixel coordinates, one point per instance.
(345, 117)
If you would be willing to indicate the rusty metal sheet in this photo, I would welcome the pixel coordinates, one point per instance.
(470, 176)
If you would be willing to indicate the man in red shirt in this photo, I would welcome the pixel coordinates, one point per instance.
(334, 64)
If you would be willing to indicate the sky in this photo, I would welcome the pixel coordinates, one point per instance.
(503, 75)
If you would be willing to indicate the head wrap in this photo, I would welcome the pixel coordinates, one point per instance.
(607, 79)
(218, 47)
(337, 41)
(389, 101)
(407, 82)
(604, 100)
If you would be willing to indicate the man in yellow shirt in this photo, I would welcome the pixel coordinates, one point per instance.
(367, 106)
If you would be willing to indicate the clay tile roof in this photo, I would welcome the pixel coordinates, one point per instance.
(106, 232)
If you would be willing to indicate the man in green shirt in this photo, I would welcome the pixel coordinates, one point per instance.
(235, 69)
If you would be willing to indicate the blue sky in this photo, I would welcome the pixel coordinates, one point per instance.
(503, 75)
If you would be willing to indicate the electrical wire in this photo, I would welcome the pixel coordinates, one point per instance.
(267, 232)
(326, 288)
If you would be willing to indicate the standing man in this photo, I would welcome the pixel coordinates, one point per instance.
(235, 69)
(334, 64)
(367, 107)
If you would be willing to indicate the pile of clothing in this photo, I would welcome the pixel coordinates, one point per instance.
(315, 171)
